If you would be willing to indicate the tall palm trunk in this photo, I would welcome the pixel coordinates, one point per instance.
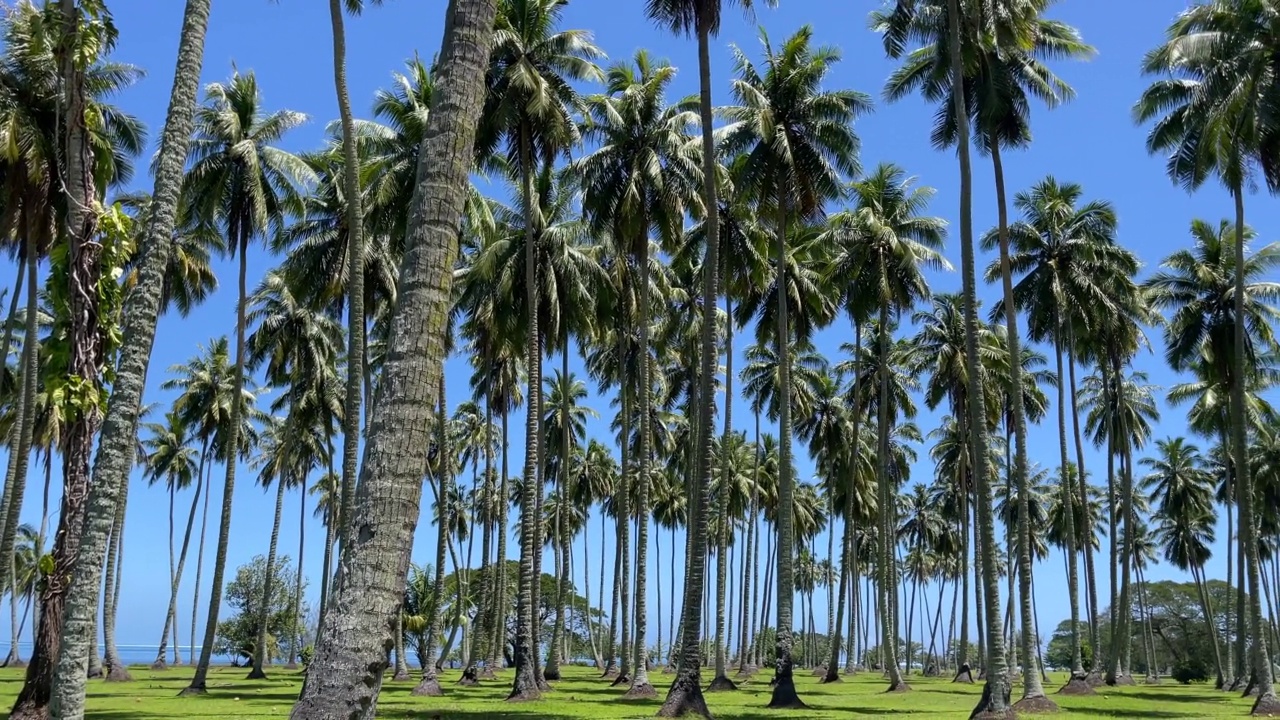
(1211, 627)
(344, 678)
(330, 527)
(204, 526)
(995, 695)
(721, 680)
(15, 482)
(1267, 703)
(526, 680)
(784, 690)
(162, 653)
(112, 664)
(489, 567)
(295, 626)
(624, 539)
(355, 272)
(749, 555)
(889, 628)
(498, 645)
(554, 649)
(429, 686)
(846, 541)
(86, 356)
(1032, 689)
(1086, 522)
(198, 682)
(1068, 513)
(685, 696)
(260, 659)
(640, 685)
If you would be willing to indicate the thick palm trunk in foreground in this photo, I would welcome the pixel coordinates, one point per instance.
(86, 356)
(685, 696)
(344, 678)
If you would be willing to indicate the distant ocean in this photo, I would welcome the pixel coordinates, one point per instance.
(146, 654)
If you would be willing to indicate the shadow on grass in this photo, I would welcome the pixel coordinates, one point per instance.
(1211, 696)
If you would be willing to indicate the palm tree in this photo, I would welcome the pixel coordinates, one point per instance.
(897, 242)
(1212, 115)
(1074, 276)
(565, 423)
(355, 661)
(1120, 413)
(241, 181)
(702, 19)
(1183, 491)
(640, 179)
(172, 459)
(355, 252)
(1196, 286)
(797, 141)
(960, 33)
(528, 109)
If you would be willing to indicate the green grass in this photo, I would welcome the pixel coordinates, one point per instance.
(153, 695)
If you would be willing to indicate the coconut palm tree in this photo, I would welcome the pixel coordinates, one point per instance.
(1211, 114)
(239, 180)
(1072, 274)
(1120, 413)
(173, 460)
(898, 243)
(641, 179)
(963, 31)
(528, 111)
(355, 661)
(1183, 490)
(784, 108)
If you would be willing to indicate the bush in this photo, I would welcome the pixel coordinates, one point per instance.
(307, 654)
(1189, 671)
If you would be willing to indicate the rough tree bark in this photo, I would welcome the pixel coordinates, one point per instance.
(344, 678)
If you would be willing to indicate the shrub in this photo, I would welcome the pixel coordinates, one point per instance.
(1189, 671)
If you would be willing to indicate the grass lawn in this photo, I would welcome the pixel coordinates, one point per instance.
(153, 695)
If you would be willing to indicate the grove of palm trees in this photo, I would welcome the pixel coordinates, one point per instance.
(553, 379)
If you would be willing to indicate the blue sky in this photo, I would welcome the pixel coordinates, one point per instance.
(1092, 141)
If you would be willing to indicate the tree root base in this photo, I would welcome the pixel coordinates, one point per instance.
(668, 670)
(1077, 685)
(685, 703)
(820, 671)
(899, 687)
(1035, 705)
(1250, 690)
(158, 665)
(609, 672)
(1095, 679)
(963, 675)
(1125, 679)
(830, 678)
(487, 674)
(119, 674)
(619, 679)
(193, 690)
(469, 678)
(427, 687)
(642, 691)
(1151, 680)
(544, 686)
(1266, 706)
(551, 674)
(256, 674)
(785, 697)
(529, 695)
(722, 684)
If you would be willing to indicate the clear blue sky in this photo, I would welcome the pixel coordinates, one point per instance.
(1092, 141)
